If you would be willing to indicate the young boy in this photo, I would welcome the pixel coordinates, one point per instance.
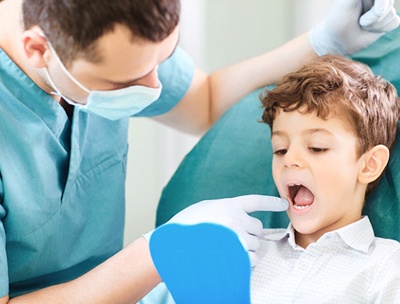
(333, 124)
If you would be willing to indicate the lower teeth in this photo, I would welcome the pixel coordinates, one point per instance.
(301, 207)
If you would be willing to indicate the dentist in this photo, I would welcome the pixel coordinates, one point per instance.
(72, 72)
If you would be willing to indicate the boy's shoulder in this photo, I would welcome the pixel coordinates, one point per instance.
(387, 245)
(386, 252)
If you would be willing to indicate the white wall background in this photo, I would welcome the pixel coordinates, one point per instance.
(215, 33)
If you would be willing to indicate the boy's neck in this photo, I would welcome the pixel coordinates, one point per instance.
(304, 240)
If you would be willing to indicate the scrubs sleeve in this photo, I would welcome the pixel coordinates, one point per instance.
(3, 257)
(175, 74)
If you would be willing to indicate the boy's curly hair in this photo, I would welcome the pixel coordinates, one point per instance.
(334, 86)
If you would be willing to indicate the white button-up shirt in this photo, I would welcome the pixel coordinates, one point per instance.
(348, 265)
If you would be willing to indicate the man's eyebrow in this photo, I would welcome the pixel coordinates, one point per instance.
(129, 82)
(176, 46)
(133, 81)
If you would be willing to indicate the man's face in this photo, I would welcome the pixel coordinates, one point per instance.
(125, 62)
(315, 167)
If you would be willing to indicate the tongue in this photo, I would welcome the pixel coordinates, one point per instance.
(303, 197)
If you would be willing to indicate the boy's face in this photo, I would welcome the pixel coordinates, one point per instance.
(316, 169)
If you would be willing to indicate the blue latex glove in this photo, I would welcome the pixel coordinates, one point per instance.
(352, 25)
(203, 263)
(233, 214)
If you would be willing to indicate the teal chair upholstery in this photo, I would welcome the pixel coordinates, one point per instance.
(234, 157)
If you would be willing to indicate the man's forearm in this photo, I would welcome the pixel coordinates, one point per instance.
(209, 96)
(228, 85)
(124, 278)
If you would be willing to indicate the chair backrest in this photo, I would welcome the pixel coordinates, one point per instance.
(234, 157)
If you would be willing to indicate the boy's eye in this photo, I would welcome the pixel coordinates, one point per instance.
(317, 150)
(280, 152)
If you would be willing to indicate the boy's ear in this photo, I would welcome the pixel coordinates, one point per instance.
(375, 161)
(35, 47)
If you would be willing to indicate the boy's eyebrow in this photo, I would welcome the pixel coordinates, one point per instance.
(318, 130)
(306, 132)
(278, 133)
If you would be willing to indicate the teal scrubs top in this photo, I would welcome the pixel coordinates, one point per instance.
(62, 182)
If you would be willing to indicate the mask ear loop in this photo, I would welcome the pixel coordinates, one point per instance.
(80, 85)
(56, 90)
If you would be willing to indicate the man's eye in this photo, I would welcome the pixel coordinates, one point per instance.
(280, 152)
(317, 150)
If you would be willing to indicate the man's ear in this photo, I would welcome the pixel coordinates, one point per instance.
(35, 47)
(375, 161)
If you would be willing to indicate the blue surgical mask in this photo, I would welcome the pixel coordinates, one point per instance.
(113, 104)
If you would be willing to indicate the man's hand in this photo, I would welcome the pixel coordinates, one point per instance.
(233, 214)
(352, 25)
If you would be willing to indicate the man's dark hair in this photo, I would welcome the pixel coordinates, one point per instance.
(74, 26)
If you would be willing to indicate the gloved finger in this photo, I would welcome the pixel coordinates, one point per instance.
(379, 11)
(367, 5)
(371, 20)
(252, 242)
(255, 202)
(389, 23)
(349, 5)
(249, 241)
(254, 258)
(253, 225)
(381, 7)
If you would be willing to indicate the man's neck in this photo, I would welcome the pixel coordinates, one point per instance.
(11, 30)
(10, 23)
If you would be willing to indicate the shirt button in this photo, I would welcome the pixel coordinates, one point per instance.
(303, 265)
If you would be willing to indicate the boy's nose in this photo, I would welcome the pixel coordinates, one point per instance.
(292, 158)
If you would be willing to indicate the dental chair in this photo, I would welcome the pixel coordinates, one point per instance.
(234, 157)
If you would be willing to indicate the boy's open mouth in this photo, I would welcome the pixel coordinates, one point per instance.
(300, 196)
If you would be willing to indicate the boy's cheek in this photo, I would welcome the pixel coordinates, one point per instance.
(282, 192)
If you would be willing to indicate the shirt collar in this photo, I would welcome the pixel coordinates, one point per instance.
(358, 235)
(281, 234)
(16, 83)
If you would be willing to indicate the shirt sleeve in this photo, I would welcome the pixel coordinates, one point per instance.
(4, 282)
(175, 75)
(385, 286)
